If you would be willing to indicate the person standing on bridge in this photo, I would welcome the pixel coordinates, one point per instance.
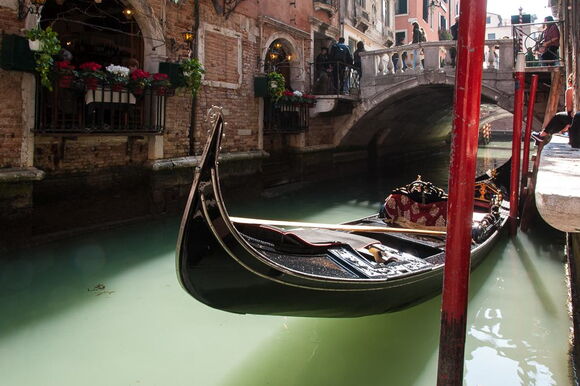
(454, 34)
(360, 47)
(550, 43)
(416, 39)
(342, 58)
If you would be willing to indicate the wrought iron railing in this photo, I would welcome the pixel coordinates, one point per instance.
(103, 110)
(335, 78)
(530, 38)
(285, 117)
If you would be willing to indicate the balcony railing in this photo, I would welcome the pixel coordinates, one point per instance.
(75, 110)
(433, 56)
(335, 78)
(529, 39)
(285, 117)
(330, 6)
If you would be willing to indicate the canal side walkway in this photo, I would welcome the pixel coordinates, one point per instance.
(558, 201)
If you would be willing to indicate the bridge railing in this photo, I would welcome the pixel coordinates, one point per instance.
(437, 56)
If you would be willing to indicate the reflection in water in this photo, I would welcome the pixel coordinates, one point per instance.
(141, 328)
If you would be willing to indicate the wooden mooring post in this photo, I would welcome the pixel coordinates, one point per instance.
(520, 77)
(528, 133)
(470, 50)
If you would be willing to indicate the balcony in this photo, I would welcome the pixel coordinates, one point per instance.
(285, 117)
(75, 110)
(362, 20)
(329, 6)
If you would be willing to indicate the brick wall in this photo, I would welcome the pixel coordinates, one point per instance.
(221, 55)
(11, 101)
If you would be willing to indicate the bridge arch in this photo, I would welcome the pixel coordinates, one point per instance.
(415, 109)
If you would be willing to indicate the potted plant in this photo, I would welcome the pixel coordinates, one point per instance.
(161, 83)
(91, 74)
(117, 77)
(66, 73)
(276, 85)
(192, 73)
(47, 45)
(139, 80)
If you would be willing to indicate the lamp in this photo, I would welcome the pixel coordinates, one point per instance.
(277, 45)
(187, 36)
(33, 8)
(273, 55)
(128, 12)
(289, 57)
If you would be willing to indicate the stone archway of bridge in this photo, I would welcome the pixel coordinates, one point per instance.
(386, 95)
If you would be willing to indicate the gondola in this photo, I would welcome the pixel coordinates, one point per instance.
(247, 266)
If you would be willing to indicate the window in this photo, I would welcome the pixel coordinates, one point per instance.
(426, 10)
(401, 7)
(352, 44)
(488, 20)
(361, 3)
(491, 36)
(400, 37)
(442, 23)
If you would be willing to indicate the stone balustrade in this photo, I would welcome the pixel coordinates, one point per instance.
(414, 59)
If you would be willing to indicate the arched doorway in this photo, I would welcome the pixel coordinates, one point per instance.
(104, 32)
(281, 58)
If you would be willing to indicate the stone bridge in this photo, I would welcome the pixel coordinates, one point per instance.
(411, 103)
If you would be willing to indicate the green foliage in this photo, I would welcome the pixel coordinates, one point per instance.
(49, 46)
(276, 84)
(192, 73)
(445, 35)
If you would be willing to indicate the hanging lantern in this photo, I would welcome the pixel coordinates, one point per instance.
(277, 45)
(187, 36)
(128, 12)
(273, 55)
(289, 57)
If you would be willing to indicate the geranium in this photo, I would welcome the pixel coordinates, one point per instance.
(161, 80)
(90, 67)
(64, 65)
(140, 79)
(296, 98)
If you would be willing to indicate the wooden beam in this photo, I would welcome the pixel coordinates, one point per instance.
(338, 227)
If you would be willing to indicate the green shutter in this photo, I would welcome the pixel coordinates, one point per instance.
(174, 72)
(15, 54)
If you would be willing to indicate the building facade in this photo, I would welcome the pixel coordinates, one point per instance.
(369, 21)
(434, 16)
(52, 137)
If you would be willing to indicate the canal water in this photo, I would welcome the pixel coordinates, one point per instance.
(107, 309)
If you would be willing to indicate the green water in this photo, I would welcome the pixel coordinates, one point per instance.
(59, 327)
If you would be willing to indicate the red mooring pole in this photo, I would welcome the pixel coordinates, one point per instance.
(470, 49)
(519, 77)
(528, 132)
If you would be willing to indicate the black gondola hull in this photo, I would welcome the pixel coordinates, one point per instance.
(220, 268)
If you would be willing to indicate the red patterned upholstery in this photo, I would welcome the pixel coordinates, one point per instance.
(399, 206)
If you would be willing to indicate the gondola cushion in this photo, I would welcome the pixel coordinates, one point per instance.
(399, 206)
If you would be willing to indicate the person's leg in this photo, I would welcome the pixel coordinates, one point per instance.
(574, 133)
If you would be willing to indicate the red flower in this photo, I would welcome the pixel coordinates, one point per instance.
(160, 76)
(139, 74)
(90, 66)
(64, 65)
(288, 93)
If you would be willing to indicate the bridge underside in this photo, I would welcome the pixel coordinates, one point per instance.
(409, 121)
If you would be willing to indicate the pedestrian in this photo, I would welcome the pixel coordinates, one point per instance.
(550, 42)
(416, 39)
(562, 120)
(342, 59)
(323, 72)
(360, 47)
(454, 34)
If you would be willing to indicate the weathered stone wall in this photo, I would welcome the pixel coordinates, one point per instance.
(11, 101)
